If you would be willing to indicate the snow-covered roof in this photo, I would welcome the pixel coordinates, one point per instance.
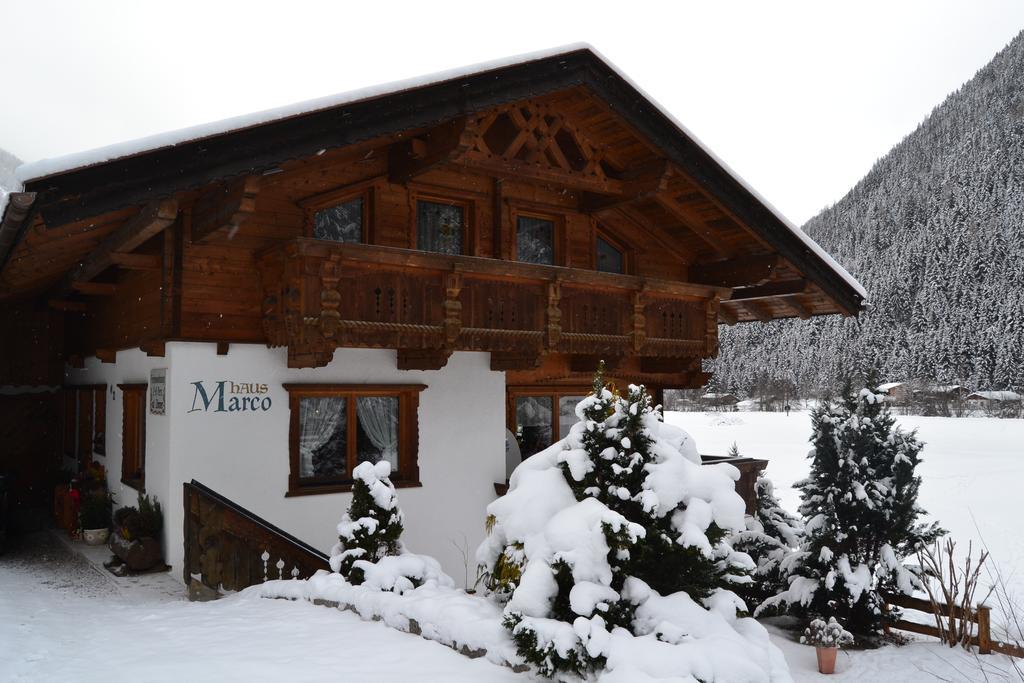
(888, 386)
(49, 167)
(996, 395)
(711, 396)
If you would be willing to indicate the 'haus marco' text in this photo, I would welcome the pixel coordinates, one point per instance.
(229, 397)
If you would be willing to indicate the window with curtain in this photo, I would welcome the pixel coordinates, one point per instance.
(340, 223)
(535, 240)
(336, 427)
(440, 227)
(610, 258)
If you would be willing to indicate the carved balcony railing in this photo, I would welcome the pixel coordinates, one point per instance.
(319, 296)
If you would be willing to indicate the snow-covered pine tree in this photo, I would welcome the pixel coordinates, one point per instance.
(591, 525)
(861, 516)
(372, 527)
(772, 535)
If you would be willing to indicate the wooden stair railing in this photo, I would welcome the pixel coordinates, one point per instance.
(228, 548)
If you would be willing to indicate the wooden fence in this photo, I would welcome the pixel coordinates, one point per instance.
(229, 548)
(981, 617)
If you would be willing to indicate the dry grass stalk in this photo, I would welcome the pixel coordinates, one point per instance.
(951, 589)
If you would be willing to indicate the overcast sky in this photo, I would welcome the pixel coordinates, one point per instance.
(800, 98)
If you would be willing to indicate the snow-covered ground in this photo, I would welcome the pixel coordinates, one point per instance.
(972, 471)
(60, 620)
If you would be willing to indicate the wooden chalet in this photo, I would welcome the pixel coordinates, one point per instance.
(468, 246)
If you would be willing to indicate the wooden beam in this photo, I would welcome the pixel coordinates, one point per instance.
(423, 359)
(224, 209)
(222, 348)
(94, 288)
(770, 290)
(19, 205)
(693, 223)
(149, 221)
(738, 272)
(797, 307)
(501, 361)
(65, 305)
(409, 158)
(727, 315)
(154, 349)
(755, 309)
(644, 183)
(106, 355)
(135, 261)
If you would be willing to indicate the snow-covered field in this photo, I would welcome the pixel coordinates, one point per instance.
(972, 471)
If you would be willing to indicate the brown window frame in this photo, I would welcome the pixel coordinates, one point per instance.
(557, 236)
(408, 395)
(133, 437)
(366, 190)
(554, 392)
(469, 222)
(628, 260)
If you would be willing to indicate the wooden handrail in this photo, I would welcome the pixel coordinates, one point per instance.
(228, 547)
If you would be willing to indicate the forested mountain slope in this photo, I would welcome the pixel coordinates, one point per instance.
(935, 232)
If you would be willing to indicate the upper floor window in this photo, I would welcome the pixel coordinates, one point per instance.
(342, 222)
(336, 427)
(610, 257)
(535, 240)
(440, 227)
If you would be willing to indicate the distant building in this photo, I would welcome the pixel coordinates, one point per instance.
(894, 392)
(713, 400)
(993, 399)
(748, 405)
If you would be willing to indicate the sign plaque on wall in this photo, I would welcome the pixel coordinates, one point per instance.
(158, 391)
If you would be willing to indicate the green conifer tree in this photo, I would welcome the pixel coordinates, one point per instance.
(372, 527)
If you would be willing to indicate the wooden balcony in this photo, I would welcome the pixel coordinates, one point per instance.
(319, 296)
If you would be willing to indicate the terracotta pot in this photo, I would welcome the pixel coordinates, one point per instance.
(95, 536)
(827, 659)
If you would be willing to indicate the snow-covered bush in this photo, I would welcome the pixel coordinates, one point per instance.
(604, 526)
(820, 633)
(372, 527)
(861, 516)
(772, 534)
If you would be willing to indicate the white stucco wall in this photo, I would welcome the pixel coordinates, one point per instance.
(244, 455)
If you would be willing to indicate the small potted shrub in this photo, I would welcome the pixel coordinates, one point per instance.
(94, 518)
(827, 638)
(136, 543)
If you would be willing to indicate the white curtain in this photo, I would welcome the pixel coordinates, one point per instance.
(378, 416)
(319, 419)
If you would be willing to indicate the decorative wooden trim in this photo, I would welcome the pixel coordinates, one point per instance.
(408, 432)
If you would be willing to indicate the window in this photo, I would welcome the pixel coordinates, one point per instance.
(133, 435)
(85, 419)
(342, 222)
(440, 227)
(535, 240)
(336, 427)
(610, 257)
(540, 415)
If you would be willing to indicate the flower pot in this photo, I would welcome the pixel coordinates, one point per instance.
(139, 554)
(827, 659)
(95, 536)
